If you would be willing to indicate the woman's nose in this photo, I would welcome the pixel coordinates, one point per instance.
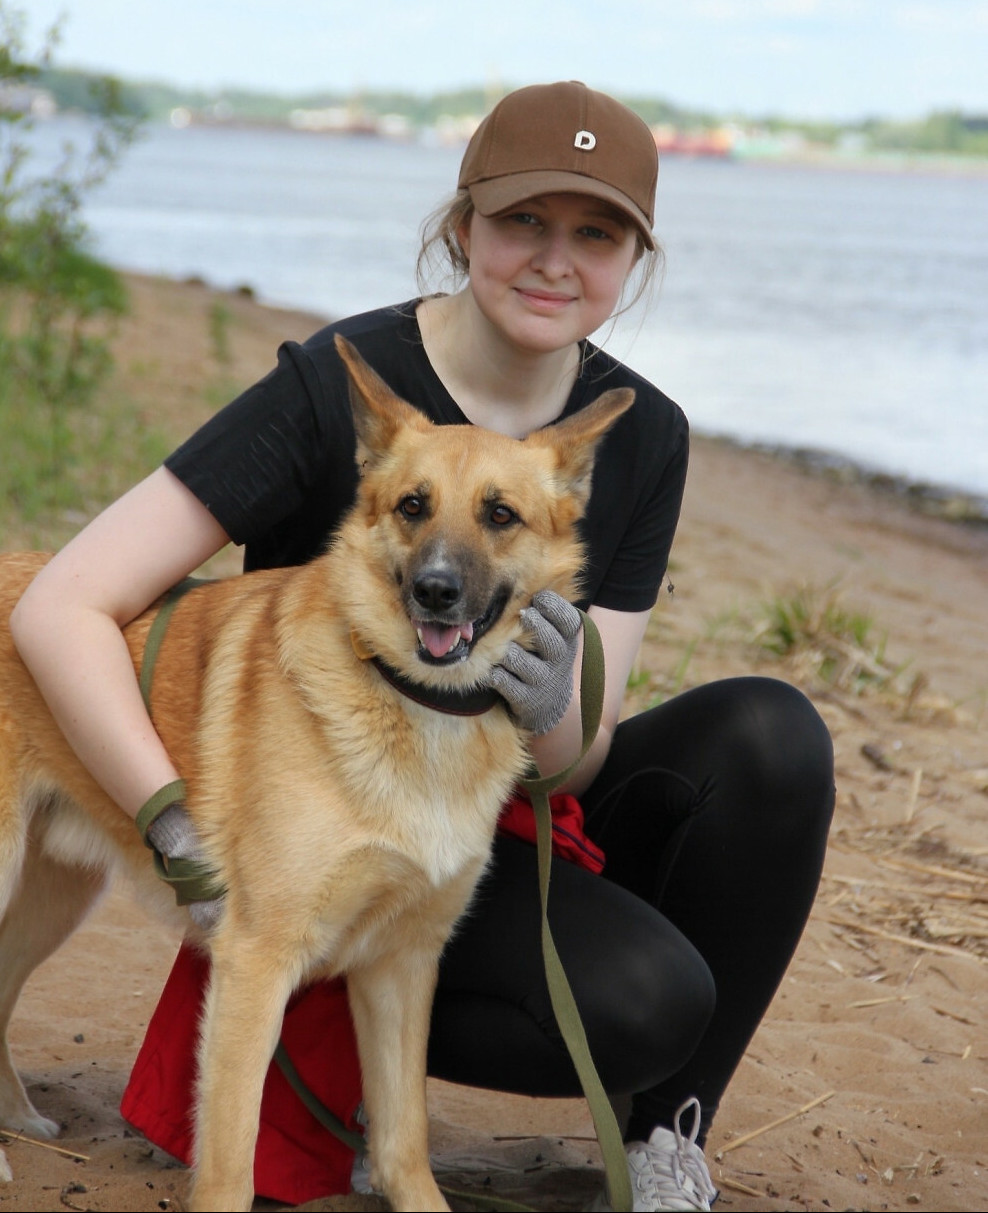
(553, 256)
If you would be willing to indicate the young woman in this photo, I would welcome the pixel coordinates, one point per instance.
(711, 811)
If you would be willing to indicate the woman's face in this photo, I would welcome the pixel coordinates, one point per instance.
(550, 271)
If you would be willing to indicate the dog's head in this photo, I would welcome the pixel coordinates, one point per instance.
(456, 527)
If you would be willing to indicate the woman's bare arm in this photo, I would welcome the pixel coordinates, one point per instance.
(67, 628)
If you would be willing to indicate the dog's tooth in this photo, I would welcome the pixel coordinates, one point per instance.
(418, 633)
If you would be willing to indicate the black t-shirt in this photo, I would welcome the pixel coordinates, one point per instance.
(276, 466)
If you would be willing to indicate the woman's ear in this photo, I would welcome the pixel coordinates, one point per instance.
(463, 237)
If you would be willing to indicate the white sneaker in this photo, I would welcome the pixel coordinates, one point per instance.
(668, 1171)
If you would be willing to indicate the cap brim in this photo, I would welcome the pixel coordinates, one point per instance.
(496, 195)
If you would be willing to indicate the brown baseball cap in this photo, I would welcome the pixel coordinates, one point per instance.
(563, 138)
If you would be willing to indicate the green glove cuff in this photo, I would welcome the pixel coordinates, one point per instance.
(155, 805)
(190, 879)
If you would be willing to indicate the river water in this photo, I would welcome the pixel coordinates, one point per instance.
(841, 311)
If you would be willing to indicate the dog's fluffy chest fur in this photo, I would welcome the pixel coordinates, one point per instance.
(418, 781)
(440, 810)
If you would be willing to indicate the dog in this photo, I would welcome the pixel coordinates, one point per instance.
(349, 822)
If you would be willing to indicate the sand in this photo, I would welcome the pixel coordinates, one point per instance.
(866, 1086)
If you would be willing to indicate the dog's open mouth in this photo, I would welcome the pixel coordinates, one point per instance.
(446, 644)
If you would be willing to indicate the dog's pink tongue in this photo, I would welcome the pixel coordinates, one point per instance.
(439, 640)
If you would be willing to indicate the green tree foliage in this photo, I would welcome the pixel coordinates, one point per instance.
(72, 90)
(947, 132)
(57, 302)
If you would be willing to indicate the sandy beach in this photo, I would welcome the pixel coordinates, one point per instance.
(866, 1086)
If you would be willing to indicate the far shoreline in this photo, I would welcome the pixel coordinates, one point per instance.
(932, 498)
(818, 157)
(884, 163)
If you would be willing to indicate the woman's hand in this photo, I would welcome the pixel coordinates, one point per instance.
(182, 858)
(537, 683)
(621, 635)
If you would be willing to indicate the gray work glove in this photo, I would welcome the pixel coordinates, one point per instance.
(538, 685)
(182, 863)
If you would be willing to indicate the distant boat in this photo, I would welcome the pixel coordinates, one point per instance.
(668, 140)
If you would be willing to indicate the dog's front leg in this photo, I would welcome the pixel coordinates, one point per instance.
(245, 1005)
(391, 1002)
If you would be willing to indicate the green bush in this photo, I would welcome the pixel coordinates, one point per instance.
(58, 303)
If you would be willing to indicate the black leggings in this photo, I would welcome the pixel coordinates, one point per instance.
(713, 810)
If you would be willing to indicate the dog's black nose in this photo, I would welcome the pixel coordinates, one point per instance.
(437, 589)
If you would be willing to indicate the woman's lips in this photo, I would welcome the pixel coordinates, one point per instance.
(546, 300)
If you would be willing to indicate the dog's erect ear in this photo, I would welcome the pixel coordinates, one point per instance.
(378, 413)
(575, 439)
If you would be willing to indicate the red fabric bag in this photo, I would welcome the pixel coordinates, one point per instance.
(568, 839)
(296, 1159)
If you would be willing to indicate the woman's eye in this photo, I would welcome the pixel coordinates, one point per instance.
(411, 506)
(596, 233)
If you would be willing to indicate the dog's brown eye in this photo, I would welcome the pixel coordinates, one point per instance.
(501, 515)
(411, 507)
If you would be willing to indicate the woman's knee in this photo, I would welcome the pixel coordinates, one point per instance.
(644, 1021)
(782, 742)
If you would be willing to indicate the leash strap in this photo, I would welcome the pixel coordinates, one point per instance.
(156, 634)
(190, 879)
(329, 1120)
(560, 993)
(155, 805)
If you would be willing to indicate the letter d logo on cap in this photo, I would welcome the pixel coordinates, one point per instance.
(585, 141)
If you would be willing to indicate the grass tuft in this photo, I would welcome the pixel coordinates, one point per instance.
(812, 628)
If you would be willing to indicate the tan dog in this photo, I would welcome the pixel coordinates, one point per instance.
(349, 823)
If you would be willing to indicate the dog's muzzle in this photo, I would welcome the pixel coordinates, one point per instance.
(442, 619)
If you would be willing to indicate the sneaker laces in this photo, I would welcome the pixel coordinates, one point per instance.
(669, 1171)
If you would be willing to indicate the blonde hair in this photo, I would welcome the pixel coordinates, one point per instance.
(441, 261)
(440, 253)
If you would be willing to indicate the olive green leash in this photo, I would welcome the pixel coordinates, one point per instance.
(560, 994)
(190, 879)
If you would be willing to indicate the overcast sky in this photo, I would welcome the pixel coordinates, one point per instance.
(802, 58)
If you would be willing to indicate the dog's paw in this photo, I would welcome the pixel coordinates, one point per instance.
(31, 1124)
(43, 1127)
